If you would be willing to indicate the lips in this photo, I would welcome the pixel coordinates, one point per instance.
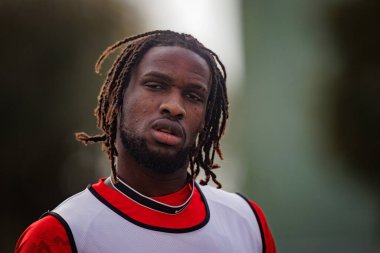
(167, 132)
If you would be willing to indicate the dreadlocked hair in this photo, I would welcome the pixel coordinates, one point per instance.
(110, 98)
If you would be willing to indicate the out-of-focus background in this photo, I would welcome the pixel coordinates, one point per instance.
(303, 140)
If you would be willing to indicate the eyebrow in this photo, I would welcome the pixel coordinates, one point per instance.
(159, 75)
(168, 79)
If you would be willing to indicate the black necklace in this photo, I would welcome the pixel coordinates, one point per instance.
(150, 203)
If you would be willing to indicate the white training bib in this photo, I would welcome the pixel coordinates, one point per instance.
(232, 227)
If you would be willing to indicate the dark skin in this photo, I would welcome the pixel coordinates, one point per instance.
(165, 103)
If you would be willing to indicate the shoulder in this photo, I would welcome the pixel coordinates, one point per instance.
(44, 235)
(243, 207)
(220, 196)
(224, 200)
(265, 231)
(223, 204)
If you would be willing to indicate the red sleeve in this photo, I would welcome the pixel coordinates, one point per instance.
(268, 242)
(45, 235)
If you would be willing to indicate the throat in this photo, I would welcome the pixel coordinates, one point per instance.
(148, 182)
(172, 204)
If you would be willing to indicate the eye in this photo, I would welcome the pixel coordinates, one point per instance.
(194, 97)
(154, 86)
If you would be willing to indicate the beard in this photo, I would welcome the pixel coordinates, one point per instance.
(163, 164)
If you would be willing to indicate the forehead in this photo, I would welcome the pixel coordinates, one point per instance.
(174, 60)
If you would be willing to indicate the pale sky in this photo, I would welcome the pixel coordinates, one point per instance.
(216, 23)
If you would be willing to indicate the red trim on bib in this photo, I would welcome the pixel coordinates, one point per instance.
(192, 215)
(270, 246)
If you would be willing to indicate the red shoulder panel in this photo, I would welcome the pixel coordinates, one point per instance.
(44, 235)
(270, 246)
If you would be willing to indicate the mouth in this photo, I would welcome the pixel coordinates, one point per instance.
(167, 132)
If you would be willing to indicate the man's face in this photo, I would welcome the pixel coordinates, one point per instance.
(164, 107)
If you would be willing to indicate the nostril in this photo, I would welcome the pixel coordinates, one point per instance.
(179, 117)
(165, 111)
(173, 110)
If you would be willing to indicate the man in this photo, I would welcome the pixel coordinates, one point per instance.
(162, 110)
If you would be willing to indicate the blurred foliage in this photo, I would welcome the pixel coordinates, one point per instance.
(356, 99)
(48, 50)
(311, 105)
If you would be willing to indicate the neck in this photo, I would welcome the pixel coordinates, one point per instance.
(151, 183)
(147, 181)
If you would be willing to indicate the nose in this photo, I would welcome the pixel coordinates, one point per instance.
(173, 107)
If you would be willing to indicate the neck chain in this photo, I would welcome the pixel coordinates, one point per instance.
(148, 202)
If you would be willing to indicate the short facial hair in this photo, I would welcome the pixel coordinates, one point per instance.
(164, 164)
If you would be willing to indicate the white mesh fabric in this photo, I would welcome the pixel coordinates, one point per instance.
(96, 228)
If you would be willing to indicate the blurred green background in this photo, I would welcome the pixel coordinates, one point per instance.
(303, 140)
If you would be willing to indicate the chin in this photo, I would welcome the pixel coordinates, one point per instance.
(157, 157)
(164, 150)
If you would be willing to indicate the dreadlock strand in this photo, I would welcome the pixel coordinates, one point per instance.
(219, 62)
(191, 165)
(113, 47)
(85, 138)
(110, 76)
(213, 176)
(207, 179)
(113, 170)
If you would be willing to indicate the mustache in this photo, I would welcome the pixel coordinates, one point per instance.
(137, 147)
